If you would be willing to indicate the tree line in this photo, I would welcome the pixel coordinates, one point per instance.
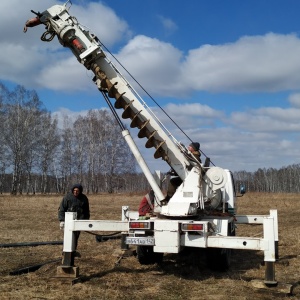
(283, 180)
(36, 156)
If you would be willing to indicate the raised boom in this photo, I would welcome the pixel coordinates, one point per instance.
(198, 185)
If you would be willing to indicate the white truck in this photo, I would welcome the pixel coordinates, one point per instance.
(201, 213)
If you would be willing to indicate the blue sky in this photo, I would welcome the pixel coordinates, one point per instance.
(228, 71)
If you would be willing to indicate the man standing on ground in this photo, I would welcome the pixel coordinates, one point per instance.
(74, 201)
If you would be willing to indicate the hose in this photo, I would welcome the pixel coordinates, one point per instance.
(32, 268)
(30, 244)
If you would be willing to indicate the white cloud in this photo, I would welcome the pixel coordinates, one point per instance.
(257, 138)
(294, 100)
(266, 63)
(153, 63)
(191, 116)
(193, 110)
(102, 21)
(66, 116)
(270, 119)
(251, 64)
(67, 75)
(168, 24)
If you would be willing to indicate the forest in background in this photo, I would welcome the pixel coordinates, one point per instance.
(36, 156)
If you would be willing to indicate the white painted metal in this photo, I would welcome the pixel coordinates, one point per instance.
(167, 237)
(259, 219)
(247, 243)
(69, 239)
(193, 190)
(228, 193)
(135, 151)
(198, 240)
(186, 194)
(128, 215)
(220, 225)
(159, 180)
(274, 214)
(215, 178)
(250, 219)
(269, 238)
(100, 225)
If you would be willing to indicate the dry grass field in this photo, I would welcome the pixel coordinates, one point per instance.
(34, 219)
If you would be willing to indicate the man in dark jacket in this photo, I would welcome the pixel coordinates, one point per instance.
(74, 201)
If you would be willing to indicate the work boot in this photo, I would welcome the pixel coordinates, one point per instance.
(77, 254)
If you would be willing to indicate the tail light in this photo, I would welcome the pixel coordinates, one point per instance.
(139, 225)
(192, 227)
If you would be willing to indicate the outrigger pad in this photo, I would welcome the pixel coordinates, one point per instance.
(63, 271)
(280, 287)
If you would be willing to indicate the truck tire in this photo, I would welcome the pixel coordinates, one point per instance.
(218, 259)
(146, 256)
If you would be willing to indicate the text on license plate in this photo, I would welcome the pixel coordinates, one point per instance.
(140, 241)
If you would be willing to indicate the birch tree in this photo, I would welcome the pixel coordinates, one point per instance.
(65, 167)
(22, 114)
(48, 146)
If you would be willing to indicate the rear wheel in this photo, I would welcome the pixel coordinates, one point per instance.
(146, 255)
(218, 259)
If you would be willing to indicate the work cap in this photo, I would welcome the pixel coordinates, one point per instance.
(78, 186)
(195, 146)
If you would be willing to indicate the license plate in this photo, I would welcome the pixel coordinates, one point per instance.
(140, 241)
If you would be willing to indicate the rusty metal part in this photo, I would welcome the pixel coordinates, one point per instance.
(31, 23)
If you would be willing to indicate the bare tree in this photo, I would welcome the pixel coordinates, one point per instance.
(99, 153)
(65, 167)
(22, 120)
(81, 133)
(4, 96)
(116, 158)
(95, 152)
(49, 142)
(36, 157)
